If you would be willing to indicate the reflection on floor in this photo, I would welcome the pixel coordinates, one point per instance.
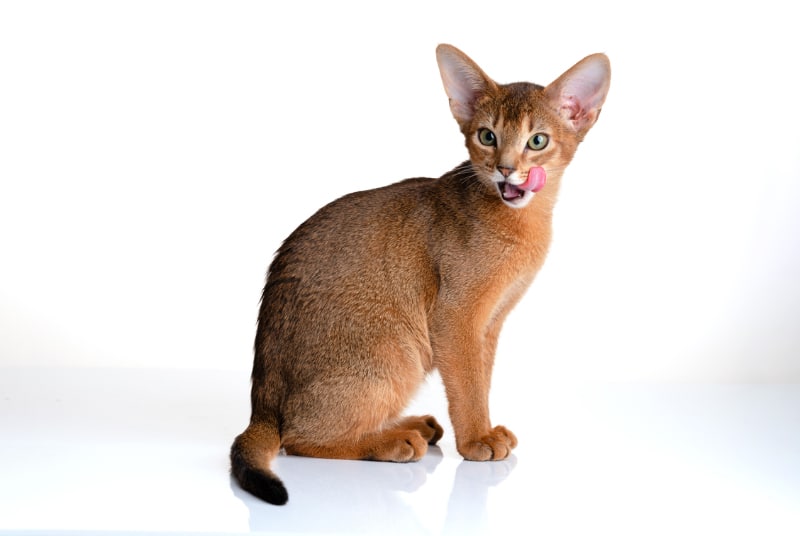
(146, 451)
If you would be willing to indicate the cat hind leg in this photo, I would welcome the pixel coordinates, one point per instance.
(405, 441)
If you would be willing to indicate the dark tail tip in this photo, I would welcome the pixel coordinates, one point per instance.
(263, 484)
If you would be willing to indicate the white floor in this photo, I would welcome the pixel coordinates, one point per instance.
(146, 451)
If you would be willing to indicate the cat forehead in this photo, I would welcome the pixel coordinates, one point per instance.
(521, 104)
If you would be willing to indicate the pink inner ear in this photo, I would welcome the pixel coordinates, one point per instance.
(571, 105)
(580, 92)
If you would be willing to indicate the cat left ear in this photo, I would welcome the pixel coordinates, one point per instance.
(579, 93)
(464, 82)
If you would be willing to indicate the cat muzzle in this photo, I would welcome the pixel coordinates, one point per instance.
(516, 194)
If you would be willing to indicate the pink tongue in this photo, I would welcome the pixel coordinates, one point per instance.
(536, 179)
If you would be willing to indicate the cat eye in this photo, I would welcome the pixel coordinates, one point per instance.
(486, 137)
(538, 141)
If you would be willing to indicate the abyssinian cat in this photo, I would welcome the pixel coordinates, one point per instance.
(381, 287)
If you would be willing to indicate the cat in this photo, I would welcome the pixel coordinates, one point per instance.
(381, 287)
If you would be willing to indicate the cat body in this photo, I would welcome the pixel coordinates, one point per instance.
(381, 287)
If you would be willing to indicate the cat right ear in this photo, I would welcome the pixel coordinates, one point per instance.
(464, 82)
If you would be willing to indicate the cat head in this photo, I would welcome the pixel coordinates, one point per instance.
(520, 134)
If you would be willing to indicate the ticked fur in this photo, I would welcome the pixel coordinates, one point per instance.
(380, 287)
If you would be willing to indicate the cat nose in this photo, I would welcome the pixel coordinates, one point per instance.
(505, 171)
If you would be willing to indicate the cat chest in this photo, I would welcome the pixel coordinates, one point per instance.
(489, 278)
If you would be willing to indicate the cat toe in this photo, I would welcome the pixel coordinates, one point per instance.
(427, 426)
(409, 446)
(434, 431)
(496, 445)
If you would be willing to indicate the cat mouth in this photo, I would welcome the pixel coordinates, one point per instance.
(511, 193)
(518, 195)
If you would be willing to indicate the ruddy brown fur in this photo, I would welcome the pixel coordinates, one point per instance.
(380, 287)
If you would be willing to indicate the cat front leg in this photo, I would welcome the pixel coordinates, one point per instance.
(500, 440)
(464, 359)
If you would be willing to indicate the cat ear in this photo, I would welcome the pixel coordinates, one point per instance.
(579, 93)
(464, 82)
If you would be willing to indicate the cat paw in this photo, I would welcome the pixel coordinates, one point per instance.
(426, 425)
(496, 445)
(400, 446)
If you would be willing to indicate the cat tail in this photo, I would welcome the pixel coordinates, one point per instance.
(251, 453)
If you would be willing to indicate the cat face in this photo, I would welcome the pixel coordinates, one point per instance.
(516, 141)
(520, 134)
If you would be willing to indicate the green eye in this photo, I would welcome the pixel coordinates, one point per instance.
(486, 137)
(538, 141)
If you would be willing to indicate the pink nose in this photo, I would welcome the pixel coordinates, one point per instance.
(505, 171)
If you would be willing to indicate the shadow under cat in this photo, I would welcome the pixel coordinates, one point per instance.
(353, 497)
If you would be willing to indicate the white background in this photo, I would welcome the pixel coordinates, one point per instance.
(153, 155)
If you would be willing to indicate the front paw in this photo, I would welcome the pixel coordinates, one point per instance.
(496, 445)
